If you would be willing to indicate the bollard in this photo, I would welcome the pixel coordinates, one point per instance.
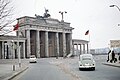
(13, 67)
(56, 57)
(19, 64)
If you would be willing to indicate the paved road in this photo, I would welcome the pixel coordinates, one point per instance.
(102, 72)
(67, 69)
(44, 69)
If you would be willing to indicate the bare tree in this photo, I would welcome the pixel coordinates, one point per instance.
(5, 13)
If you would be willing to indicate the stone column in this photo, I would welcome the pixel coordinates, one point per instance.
(38, 44)
(64, 45)
(28, 43)
(13, 50)
(46, 44)
(3, 50)
(87, 48)
(71, 43)
(73, 49)
(76, 50)
(24, 50)
(83, 48)
(80, 50)
(57, 45)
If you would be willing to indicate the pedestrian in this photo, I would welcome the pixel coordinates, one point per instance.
(119, 57)
(108, 55)
(113, 56)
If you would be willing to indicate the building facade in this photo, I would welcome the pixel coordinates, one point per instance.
(80, 46)
(10, 46)
(45, 37)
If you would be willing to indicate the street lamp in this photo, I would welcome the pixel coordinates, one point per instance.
(18, 50)
(115, 6)
(62, 14)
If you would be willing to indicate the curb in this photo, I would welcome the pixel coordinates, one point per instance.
(16, 73)
(112, 64)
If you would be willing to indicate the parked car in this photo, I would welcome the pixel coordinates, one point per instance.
(32, 59)
(86, 61)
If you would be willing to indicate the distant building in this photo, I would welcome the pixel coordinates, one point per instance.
(80, 46)
(8, 47)
(99, 51)
(92, 51)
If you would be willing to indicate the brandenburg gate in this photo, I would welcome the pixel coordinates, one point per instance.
(45, 37)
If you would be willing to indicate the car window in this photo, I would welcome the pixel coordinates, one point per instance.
(32, 57)
(86, 58)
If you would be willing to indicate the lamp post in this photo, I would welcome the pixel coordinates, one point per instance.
(13, 66)
(62, 14)
(18, 50)
(115, 6)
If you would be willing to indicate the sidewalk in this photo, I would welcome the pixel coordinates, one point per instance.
(117, 64)
(9, 68)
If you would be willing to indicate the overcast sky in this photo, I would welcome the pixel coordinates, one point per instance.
(93, 15)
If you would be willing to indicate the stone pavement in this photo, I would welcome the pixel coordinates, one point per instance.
(9, 68)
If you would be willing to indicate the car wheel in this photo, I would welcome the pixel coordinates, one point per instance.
(80, 69)
(93, 68)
